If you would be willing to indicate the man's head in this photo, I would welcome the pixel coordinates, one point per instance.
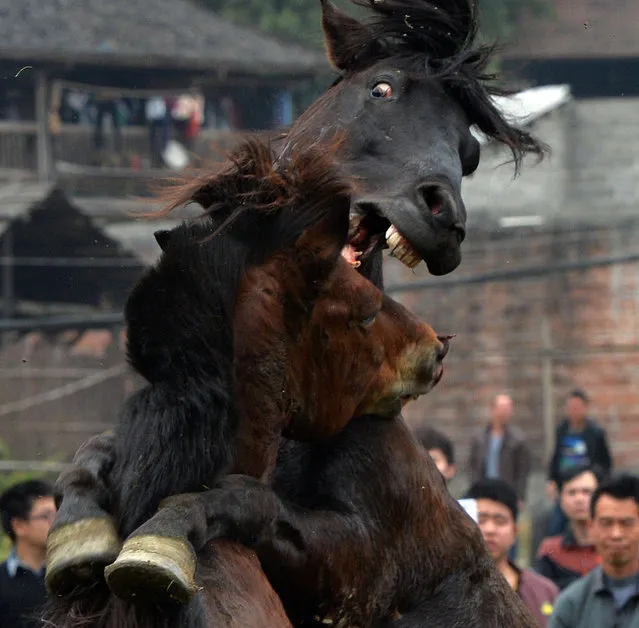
(576, 487)
(502, 410)
(28, 510)
(577, 407)
(497, 515)
(440, 448)
(614, 525)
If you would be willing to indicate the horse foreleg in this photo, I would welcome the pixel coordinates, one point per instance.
(83, 538)
(158, 559)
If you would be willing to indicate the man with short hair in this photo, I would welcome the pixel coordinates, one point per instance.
(27, 510)
(440, 448)
(579, 441)
(499, 450)
(608, 597)
(497, 513)
(564, 558)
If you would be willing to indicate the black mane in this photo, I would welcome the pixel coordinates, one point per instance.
(180, 318)
(439, 38)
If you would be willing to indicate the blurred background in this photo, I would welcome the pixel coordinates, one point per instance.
(98, 100)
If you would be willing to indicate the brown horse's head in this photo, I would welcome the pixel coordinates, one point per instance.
(311, 333)
(361, 353)
(256, 305)
(412, 84)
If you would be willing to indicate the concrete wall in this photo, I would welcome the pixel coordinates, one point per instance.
(590, 175)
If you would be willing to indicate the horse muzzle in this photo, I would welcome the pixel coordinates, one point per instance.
(428, 225)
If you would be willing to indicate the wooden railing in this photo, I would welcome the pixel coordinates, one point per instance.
(18, 146)
(78, 163)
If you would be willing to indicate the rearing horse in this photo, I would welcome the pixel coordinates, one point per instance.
(245, 334)
(412, 83)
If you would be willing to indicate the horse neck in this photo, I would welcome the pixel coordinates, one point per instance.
(172, 438)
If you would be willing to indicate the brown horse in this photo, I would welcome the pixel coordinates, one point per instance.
(265, 329)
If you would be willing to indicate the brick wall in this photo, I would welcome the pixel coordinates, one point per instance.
(48, 372)
(592, 315)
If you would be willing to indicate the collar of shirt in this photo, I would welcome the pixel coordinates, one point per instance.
(13, 563)
(599, 582)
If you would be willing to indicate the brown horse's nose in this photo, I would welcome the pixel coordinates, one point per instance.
(443, 350)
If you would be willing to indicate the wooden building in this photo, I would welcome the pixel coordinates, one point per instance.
(592, 45)
(145, 47)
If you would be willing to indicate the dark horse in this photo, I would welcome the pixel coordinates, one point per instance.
(263, 329)
(411, 84)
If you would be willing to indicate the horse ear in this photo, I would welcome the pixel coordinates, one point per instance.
(325, 241)
(342, 36)
(162, 237)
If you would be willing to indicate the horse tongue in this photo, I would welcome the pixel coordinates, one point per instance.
(350, 255)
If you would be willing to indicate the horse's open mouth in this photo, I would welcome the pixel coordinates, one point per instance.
(369, 233)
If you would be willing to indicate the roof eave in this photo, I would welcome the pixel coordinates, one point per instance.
(168, 62)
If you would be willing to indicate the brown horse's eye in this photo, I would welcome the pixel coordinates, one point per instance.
(367, 322)
(382, 90)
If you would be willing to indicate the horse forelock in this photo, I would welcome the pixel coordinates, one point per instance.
(439, 30)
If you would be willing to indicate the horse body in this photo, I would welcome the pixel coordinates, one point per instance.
(252, 333)
(388, 547)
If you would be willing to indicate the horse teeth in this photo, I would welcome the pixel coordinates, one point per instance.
(400, 248)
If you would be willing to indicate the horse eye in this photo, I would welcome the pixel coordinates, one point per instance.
(367, 322)
(382, 90)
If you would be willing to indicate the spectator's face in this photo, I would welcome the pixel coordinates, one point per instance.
(502, 409)
(575, 496)
(442, 464)
(615, 531)
(576, 409)
(497, 527)
(35, 529)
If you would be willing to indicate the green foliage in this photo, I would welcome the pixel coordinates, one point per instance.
(502, 20)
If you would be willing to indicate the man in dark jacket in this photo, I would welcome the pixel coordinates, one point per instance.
(579, 442)
(499, 450)
(565, 557)
(27, 511)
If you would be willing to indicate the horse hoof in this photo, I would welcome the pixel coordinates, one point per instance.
(153, 568)
(78, 552)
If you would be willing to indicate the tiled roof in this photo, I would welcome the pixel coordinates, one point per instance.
(160, 33)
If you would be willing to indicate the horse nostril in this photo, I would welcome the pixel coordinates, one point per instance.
(435, 197)
(442, 352)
